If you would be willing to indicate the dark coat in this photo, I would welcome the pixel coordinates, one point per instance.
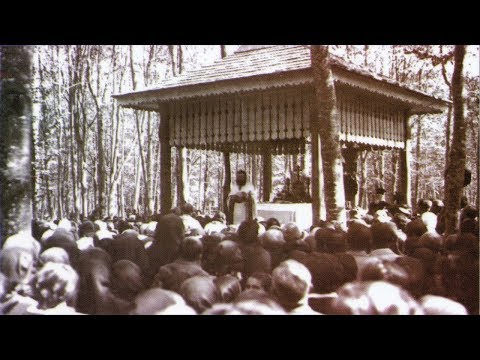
(169, 234)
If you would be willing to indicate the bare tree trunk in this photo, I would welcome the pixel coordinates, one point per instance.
(136, 192)
(60, 175)
(366, 51)
(15, 141)
(449, 115)
(45, 140)
(81, 139)
(60, 131)
(448, 136)
(180, 59)
(456, 166)
(165, 163)
(223, 51)
(325, 101)
(181, 160)
(140, 130)
(100, 169)
(71, 101)
(171, 50)
(149, 183)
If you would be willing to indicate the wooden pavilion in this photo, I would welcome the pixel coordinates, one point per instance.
(259, 101)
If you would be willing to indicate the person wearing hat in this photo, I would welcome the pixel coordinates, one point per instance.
(259, 281)
(431, 239)
(295, 245)
(374, 298)
(385, 237)
(127, 280)
(291, 284)
(356, 215)
(191, 224)
(250, 302)
(55, 288)
(154, 301)
(229, 287)
(217, 224)
(359, 240)
(55, 255)
(228, 259)
(437, 206)
(127, 246)
(379, 203)
(439, 305)
(241, 200)
(200, 293)
(171, 276)
(257, 259)
(273, 241)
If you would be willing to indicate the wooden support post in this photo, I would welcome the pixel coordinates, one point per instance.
(267, 174)
(165, 163)
(350, 156)
(182, 177)
(228, 180)
(405, 172)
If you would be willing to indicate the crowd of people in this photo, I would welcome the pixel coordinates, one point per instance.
(387, 260)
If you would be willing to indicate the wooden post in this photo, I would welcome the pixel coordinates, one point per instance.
(182, 176)
(318, 203)
(267, 174)
(350, 155)
(165, 163)
(228, 179)
(405, 174)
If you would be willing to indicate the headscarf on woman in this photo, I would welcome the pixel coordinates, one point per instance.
(155, 300)
(169, 234)
(127, 246)
(95, 296)
(25, 241)
(229, 258)
(56, 284)
(17, 264)
(200, 292)
(65, 240)
(127, 280)
(55, 255)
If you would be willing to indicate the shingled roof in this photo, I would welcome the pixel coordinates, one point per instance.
(270, 61)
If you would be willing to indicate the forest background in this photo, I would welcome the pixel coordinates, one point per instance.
(90, 156)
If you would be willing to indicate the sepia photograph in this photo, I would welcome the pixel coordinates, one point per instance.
(239, 179)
